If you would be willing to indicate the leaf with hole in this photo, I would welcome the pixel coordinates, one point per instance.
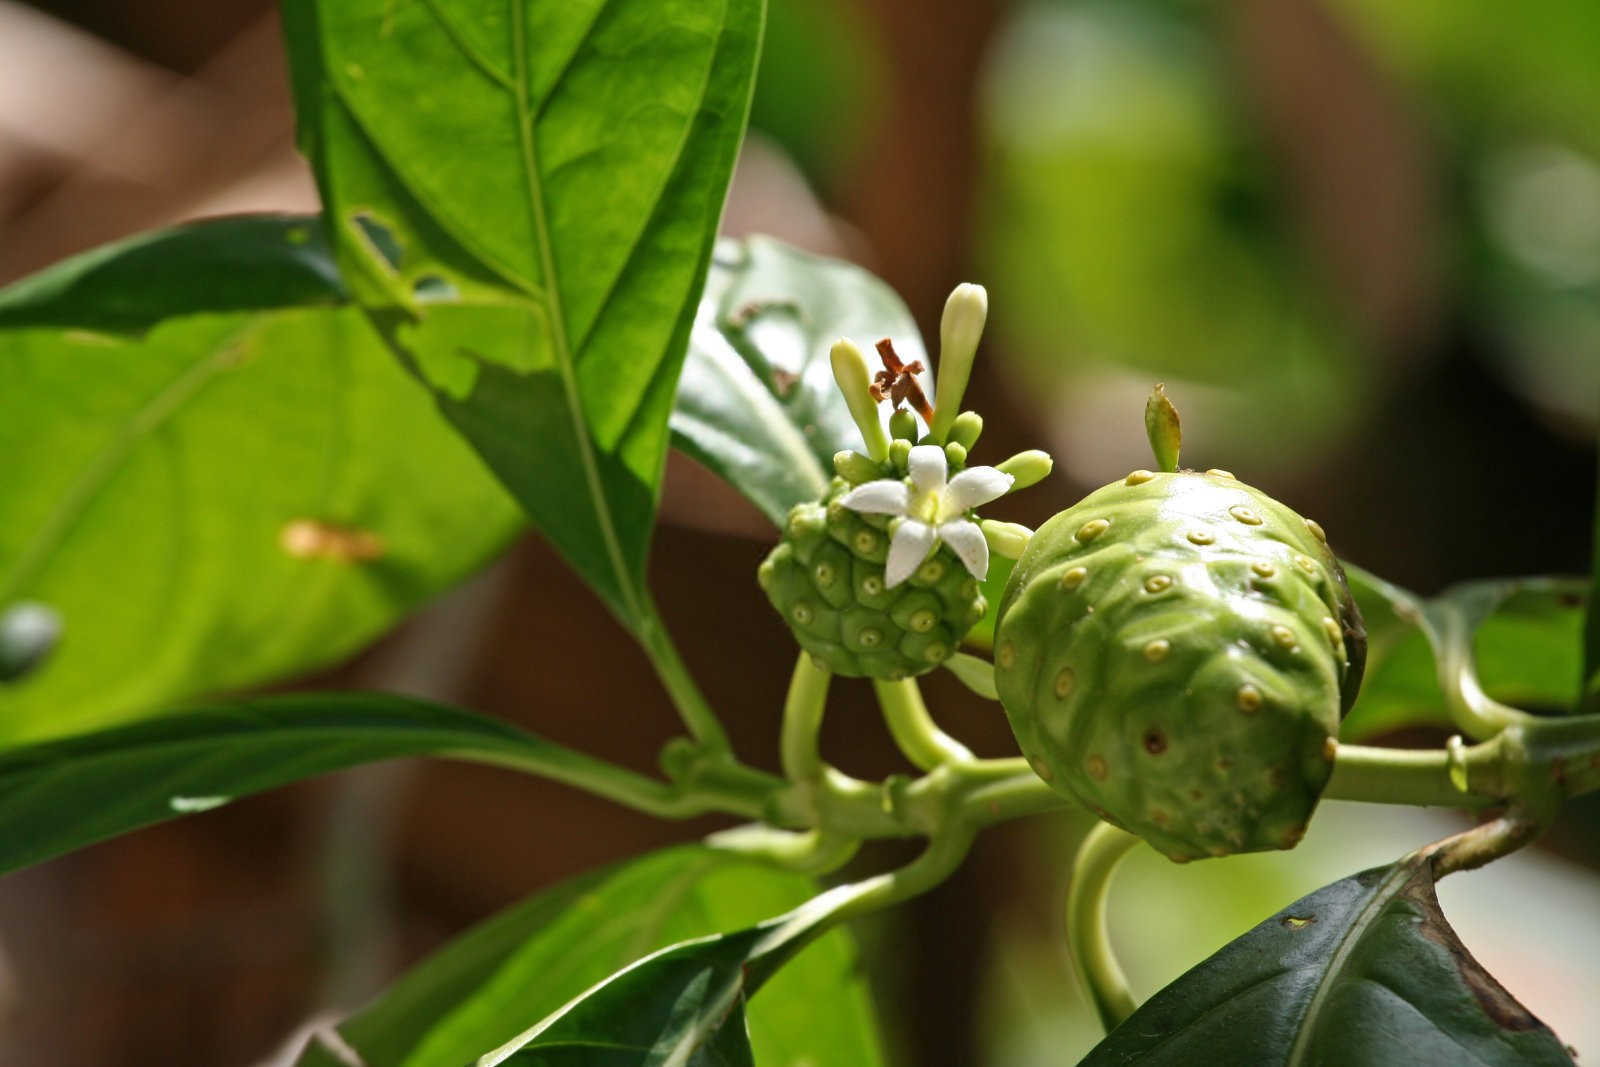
(524, 198)
(1365, 971)
(757, 402)
(205, 454)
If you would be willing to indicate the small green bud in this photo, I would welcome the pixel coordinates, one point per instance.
(855, 382)
(960, 329)
(1008, 539)
(900, 454)
(1028, 468)
(903, 425)
(855, 468)
(966, 429)
(955, 455)
(1161, 426)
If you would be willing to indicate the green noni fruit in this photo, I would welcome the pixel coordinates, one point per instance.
(1175, 651)
(827, 579)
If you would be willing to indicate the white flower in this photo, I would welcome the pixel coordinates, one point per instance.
(931, 511)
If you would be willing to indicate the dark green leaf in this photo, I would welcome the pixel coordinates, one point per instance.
(524, 196)
(60, 795)
(1589, 696)
(757, 402)
(216, 475)
(513, 970)
(1364, 971)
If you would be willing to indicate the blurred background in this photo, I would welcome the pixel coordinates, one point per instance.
(1359, 241)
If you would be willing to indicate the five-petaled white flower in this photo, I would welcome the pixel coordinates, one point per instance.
(931, 511)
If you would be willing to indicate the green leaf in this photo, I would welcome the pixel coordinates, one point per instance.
(1363, 971)
(757, 402)
(506, 974)
(217, 476)
(60, 795)
(524, 197)
(1518, 640)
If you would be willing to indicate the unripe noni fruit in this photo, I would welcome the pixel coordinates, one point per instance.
(1175, 651)
(826, 578)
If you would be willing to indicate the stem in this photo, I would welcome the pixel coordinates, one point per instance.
(701, 722)
(802, 720)
(1420, 777)
(815, 852)
(914, 730)
(1088, 940)
(1482, 844)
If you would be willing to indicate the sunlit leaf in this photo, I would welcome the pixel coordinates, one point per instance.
(513, 970)
(524, 197)
(215, 474)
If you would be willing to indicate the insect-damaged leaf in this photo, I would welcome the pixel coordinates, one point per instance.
(524, 197)
(1362, 972)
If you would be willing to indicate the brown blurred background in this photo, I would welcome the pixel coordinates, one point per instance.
(1361, 245)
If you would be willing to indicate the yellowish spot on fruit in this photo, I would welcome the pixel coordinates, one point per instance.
(1156, 651)
(1158, 583)
(931, 571)
(802, 613)
(1154, 740)
(1245, 515)
(1263, 569)
(1330, 749)
(825, 575)
(1159, 817)
(1333, 630)
(1074, 578)
(1138, 477)
(1065, 680)
(937, 652)
(923, 620)
(1248, 699)
(1284, 637)
(872, 584)
(1316, 530)
(1201, 537)
(1218, 472)
(1041, 768)
(1306, 564)
(1224, 764)
(1096, 766)
(1092, 529)
(866, 541)
(870, 638)
(969, 589)
(1005, 657)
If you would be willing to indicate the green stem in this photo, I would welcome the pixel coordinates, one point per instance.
(701, 722)
(815, 852)
(1423, 777)
(914, 730)
(1088, 940)
(802, 720)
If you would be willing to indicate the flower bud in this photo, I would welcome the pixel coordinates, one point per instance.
(855, 382)
(1028, 468)
(959, 331)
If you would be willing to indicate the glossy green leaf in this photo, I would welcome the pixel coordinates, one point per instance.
(1519, 640)
(757, 402)
(524, 197)
(1363, 971)
(56, 796)
(215, 474)
(508, 973)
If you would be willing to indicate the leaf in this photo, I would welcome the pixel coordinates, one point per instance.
(757, 402)
(1518, 640)
(60, 795)
(1363, 971)
(524, 197)
(489, 985)
(216, 476)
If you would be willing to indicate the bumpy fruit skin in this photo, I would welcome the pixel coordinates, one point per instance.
(1175, 652)
(825, 577)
